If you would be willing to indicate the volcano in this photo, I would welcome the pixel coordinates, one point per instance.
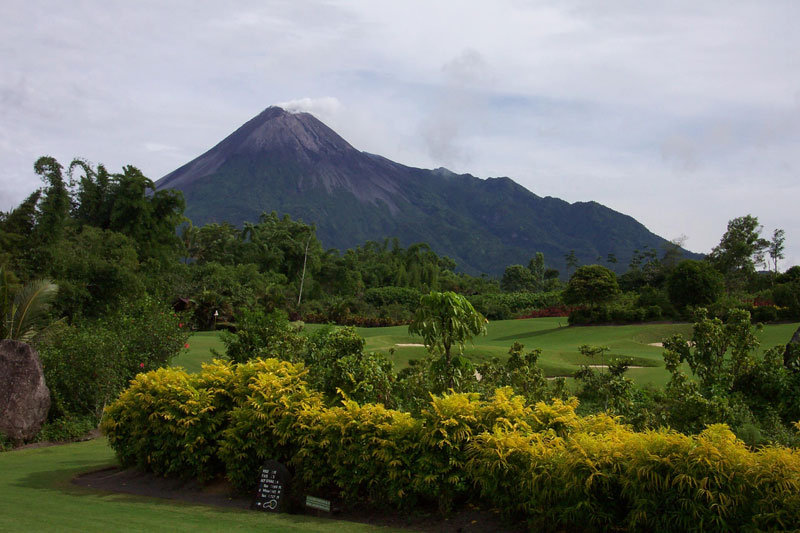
(294, 164)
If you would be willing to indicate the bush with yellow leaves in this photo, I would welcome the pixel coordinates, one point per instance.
(541, 462)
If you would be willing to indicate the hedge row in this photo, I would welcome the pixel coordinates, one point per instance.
(502, 306)
(540, 462)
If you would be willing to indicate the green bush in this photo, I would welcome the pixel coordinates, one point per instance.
(598, 315)
(653, 312)
(694, 283)
(5, 443)
(88, 363)
(263, 335)
(384, 296)
(787, 295)
(500, 306)
(765, 313)
(67, 428)
(650, 297)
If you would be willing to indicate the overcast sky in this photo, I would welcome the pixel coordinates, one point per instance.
(681, 114)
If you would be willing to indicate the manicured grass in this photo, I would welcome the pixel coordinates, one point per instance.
(559, 344)
(199, 351)
(36, 495)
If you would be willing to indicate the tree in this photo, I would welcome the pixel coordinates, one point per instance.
(24, 310)
(95, 269)
(55, 205)
(444, 320)
(694, 283)
(571, 260)
(517, 278)
(739, 250)
(776, 247)
(673, 251)
(591, 284)
(731, 382)
(537, 268)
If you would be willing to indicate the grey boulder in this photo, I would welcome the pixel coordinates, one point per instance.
(24, 396)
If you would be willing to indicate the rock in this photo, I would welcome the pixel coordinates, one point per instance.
(24, 396)
(791, 355)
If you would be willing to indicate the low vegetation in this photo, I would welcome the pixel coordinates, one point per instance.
(542, 462)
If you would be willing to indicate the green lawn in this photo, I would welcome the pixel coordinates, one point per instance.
(559, 344)
(36, 495)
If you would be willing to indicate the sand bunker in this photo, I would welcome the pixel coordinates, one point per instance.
(407, 345)
(606, 366)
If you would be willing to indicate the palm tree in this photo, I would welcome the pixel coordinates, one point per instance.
(24, 312)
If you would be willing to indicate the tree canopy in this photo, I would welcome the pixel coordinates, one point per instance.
(591, 284)
(446, 319)
(694, 283)
(740, 249)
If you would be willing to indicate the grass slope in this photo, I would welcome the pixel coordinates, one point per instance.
(559, 344)
(36, 495)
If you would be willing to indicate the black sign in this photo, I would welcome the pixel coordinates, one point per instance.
(273, 488)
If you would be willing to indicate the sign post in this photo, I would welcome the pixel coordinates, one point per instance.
(273, 488)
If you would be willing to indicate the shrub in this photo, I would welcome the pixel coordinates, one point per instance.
(384, 296)
(541, 462)
(501, 306)
(87, 364)
(597, 315)
(367, 452)
(765, 313)
(263, 335)
(272, 406)
(67, 428)
(552, 311)
(787, 295)
(338, 362)
(449, 423)
(5, 443)
(169, 422)
(650, 297)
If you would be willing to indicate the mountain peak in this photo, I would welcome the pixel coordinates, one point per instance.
(278, 129)
(295, 144)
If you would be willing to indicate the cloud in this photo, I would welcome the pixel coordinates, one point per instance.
(456, 108)
(323, 108)
(680, 152)
(158, 147)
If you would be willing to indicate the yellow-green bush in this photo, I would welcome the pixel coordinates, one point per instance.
(616, 478)
(168, 421)
(540, 462)
(265, 422)
(367, 452)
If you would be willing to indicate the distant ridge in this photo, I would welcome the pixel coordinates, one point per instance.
(293, 163)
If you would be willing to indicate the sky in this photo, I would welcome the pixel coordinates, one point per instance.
(681, 114)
